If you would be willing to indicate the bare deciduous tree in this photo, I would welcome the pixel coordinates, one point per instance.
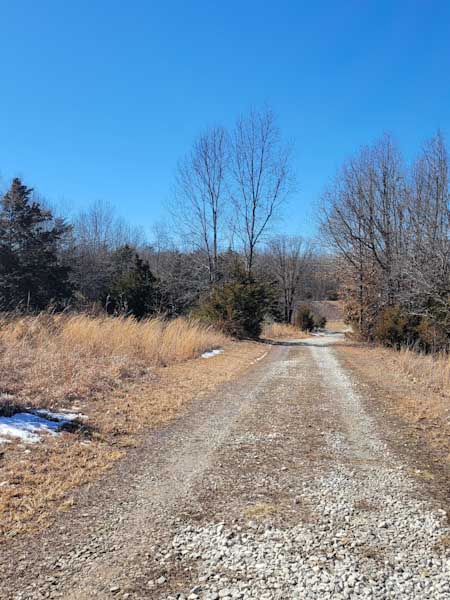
(364, 219)
(261, 180)
(291, 263)
(427, 265)
(97, 231)
(394, 232)
(200, 202)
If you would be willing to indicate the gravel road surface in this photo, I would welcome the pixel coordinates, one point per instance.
(279, 486)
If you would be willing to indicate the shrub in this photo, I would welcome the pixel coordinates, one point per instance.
(395, 328)
(319, 321)
(431, 336)
(237, 307)
(304, 318)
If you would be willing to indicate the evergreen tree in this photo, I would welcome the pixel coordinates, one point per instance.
(134, 289)
(305, 318)
(239, 305)
(30, 274)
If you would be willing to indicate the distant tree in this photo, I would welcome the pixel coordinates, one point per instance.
(290, 259)
(427, 265)
(391, 227)
(200, 204)
(260, 178)
(305, 318)
(134, 289)
(182, 279)
(364, 219)
(97, 233)
(30, 274)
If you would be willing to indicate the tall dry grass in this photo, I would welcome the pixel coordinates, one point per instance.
(49, 359)
(275, 331)
(152, 341)
(433, 370)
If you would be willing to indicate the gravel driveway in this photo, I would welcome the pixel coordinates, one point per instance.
(280, 486)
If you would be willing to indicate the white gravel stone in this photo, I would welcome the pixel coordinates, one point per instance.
(388, 549)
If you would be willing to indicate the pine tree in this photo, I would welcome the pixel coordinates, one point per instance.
(239, 305)
(135, 289)
(30, 274)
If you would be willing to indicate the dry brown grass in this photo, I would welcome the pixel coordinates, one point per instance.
(125, 376)
(275, 331)
(37, 486)
(423, 381)
(49, 360)
(413, 388)
(425, 371)
(260, 510)
(432, 370)
(338, 326)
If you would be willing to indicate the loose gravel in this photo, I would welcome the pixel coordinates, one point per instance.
(372, 535)
(279, 487)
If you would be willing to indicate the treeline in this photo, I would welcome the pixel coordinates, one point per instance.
(390, 224)
(219, 263)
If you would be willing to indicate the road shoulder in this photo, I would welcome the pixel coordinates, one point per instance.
(413, 418)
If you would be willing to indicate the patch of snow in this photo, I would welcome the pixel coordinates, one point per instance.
(212, 353)
(30, 426)
(59, 416)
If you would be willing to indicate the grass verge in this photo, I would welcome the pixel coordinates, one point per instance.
(415, 390)
(123, 375)
(52, 361)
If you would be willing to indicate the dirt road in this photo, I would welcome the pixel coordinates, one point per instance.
(279, 486)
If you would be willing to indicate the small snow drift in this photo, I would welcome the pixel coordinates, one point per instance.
(29, 426)
(212, 353)
(58, 416)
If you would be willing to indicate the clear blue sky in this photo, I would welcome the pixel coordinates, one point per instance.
(99, 99)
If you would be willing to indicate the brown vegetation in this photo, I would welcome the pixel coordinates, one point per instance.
(425, 371)
(412, 387)
(53, 360)
(332, 310)
(111, 370)
(431, 370)
(276, 331)
(390, 225)
(339, 326)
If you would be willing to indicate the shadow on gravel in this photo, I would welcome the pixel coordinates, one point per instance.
(310, 342)
(304, 343)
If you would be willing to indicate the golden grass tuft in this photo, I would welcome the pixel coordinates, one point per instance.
(433, 370)
(50, 359)
(152, 341)
(260, 510)
(275, 331)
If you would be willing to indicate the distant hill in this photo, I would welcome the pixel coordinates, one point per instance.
(332, 310)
